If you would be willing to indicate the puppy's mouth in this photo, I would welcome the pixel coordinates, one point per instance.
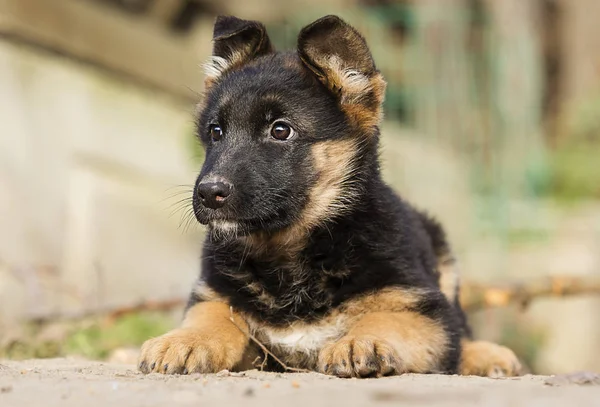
(225, 223)
(225, 218)
(233, 228)
(207, 216)
(218, 221)
(222, 223)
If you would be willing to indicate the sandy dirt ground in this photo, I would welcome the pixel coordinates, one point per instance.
(79, 383)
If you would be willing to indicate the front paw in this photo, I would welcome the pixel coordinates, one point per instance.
(185, 351)
(360, 356)
(481, 358)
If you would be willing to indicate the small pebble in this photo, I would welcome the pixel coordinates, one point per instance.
(6, 389)
(224, 373)
(237, 374)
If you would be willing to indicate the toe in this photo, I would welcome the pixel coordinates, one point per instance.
(364, 358)
(175, 358)
(359, 357)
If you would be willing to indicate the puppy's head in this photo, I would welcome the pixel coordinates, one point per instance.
(285, 133)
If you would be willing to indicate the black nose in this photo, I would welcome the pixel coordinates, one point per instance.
(214, 194)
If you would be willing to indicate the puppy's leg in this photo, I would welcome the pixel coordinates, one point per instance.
(207, 342)
(387, 343)
(481, 358)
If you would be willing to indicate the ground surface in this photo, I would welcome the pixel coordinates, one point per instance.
(78, 383)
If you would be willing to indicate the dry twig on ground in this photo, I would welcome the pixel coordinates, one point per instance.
(266, 351)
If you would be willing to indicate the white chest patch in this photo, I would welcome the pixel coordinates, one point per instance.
(304, 338)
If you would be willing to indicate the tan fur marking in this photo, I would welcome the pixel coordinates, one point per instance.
(378, 86)
(386, 300)
(353, 87)
(330, 195)
(481, 358)
(351, 83)
(419, 341)
(202, 290)
(216, 66)
(207, 342)
(449, 276)
(368, 117)
(334, 162)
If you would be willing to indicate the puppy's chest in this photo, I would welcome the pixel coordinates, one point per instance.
(299, 343)
(285, 293)
(277, 290)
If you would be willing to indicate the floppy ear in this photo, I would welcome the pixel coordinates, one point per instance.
(339, 56)
(236, 42)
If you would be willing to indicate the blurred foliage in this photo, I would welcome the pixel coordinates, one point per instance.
(575, 173)
(97, 340)
(94, 339)
(585, 120)
(521, 236)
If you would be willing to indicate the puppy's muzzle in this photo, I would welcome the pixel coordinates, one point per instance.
(214, 194)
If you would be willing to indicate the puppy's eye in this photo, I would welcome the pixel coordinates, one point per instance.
(215, 132)
(281, 131)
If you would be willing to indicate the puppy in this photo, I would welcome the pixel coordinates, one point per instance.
(309, 252)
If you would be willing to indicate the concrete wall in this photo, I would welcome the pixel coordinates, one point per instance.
(87, 168)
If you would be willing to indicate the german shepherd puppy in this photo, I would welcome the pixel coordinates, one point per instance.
(309, 252)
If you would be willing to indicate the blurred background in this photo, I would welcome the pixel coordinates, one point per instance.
(492, 123)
